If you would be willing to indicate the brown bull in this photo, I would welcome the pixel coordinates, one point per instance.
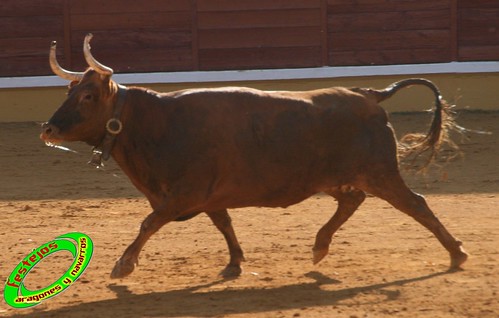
(208, 150)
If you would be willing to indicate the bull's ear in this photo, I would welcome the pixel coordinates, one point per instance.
(105, 78)
(73, 83)
(107, 84)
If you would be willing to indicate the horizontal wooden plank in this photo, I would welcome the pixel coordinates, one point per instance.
(467, 4)
(386, 57)
(477, 13)
(396, 20)
(25, 8)
(479, 37)
(238, 5)
(137, 51)
(390, 40)
(29, 46)
(124, 41)
(479, 17)
(258, 19)
(36, 26)
(358, 6)
(128, 21)
(29, 56)
(478, 27)
(25, 66)
(479, 53)
(263, 37)
(128, 6)
(145, 60)
(229, 59)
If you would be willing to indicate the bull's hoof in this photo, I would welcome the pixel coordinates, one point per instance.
(122, 268)
(231, 271)
(319, 255)
(458, 259)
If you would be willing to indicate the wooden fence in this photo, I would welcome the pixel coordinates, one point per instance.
(189, 35)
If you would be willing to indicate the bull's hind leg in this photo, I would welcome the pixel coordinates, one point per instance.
(223, 222)
(394, 190)
(349, 199)
(151, 224)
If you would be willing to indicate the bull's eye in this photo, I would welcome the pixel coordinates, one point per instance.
(88, 97)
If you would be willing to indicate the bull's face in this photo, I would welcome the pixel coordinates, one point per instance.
(89, 103)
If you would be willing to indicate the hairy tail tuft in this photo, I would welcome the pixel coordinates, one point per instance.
(412, 146)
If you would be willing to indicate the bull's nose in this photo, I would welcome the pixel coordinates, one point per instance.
(48, 131)
(46, 128)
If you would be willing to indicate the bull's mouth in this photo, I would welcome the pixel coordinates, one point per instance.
(54, 142)
(49, 139)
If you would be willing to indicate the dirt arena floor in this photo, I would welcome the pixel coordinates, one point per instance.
(381, 263)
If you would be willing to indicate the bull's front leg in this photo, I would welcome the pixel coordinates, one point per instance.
(130, 258)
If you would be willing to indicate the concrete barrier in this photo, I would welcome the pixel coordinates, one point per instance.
(470, 85)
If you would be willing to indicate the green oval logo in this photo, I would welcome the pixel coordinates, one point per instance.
(18, 296)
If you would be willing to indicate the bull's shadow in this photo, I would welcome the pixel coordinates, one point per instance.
(191, 302)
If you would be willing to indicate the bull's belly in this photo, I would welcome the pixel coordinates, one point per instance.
(262, 195)
(274, 201)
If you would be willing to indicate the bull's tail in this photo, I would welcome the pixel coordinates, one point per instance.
(412, 146)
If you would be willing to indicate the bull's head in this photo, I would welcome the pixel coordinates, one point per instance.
(89, 104)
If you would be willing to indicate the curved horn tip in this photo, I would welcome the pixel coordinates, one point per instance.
(58, 70)
(53, 44)
(88, 37)
(91, 61)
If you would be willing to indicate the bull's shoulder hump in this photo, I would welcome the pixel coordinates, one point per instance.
(244, 91)
(214, 91)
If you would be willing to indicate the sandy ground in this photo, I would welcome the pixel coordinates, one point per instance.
(381, 263)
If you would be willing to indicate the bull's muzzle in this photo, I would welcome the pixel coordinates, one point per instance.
(49, 133)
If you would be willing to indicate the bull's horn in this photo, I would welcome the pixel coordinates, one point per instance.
(58, 70)
(91, 61)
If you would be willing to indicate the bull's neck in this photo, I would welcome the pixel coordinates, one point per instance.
(133, 146)
(114, 127)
